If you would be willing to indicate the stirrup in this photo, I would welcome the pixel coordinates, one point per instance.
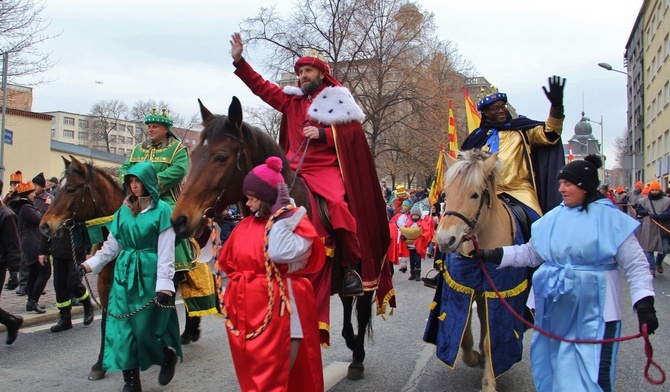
(352, 284)
(431, 281)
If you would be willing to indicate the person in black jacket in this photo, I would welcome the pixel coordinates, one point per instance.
(39, 271)
(10, 258)
(67, 282)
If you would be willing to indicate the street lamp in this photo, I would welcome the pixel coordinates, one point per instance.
(609, 68)
(632, 131)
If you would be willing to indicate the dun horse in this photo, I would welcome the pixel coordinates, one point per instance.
(474, 213)
(228, 149)
(85, 193)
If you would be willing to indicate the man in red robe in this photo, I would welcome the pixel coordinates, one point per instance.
(321, 126)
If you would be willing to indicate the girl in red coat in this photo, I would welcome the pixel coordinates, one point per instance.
(272, 327)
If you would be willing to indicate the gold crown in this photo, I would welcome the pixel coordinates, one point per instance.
(315, 53)
(483, 93)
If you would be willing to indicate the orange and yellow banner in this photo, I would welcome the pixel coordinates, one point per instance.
(453, 142)
(438, 182)
(471, 112)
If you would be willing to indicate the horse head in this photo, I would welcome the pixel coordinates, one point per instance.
(84, 193)
(219, 164)
(470, 196)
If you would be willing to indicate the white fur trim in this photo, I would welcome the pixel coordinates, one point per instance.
(335, 105)
(293, 90)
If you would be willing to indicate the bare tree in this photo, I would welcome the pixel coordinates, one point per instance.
(620, 148)
(22, 30)
(265, 118)
(386, 53)
(104, 120)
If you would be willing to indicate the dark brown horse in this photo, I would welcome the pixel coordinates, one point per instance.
(85, 193)
(228, 149)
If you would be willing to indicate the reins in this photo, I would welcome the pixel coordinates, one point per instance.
(648, 349)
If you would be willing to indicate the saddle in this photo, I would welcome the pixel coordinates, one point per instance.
(522, 217)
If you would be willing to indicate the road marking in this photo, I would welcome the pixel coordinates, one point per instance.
(333, 373)
(425, 355)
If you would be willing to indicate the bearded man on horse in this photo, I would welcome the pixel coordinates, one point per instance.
(170, 159)
(323, 138)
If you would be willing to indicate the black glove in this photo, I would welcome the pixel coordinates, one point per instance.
(162, 299)
(646, 314)
(555, 93)
(81, 270)
(488, 255)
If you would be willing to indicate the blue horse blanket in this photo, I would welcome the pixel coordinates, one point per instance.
(452, 307)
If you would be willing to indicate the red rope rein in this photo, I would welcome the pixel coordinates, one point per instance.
(648, 349)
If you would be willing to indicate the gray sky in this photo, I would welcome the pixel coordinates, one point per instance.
(179, 51)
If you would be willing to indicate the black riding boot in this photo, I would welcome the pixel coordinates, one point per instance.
(65, 321)
(417, 274)
(89, 311)
(132, 380)
(13, 323)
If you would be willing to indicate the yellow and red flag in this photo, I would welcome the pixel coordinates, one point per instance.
(453, 143)
(471, 112)
(438, 182)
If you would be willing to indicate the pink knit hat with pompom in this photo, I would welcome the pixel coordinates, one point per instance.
(262, 181)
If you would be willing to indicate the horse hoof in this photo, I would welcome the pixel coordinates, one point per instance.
(96, 375)
(355, 372)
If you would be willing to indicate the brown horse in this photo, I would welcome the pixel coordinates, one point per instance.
(228, 149)
(473, 212)
(85, 193)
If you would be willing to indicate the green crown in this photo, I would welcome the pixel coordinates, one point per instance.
(155, 118)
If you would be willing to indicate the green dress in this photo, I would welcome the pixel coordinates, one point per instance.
(138, 341)
(170, 159)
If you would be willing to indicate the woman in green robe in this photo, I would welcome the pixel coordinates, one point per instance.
(141, 239)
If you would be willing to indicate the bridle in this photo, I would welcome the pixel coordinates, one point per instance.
(469, 232)
(70, 222)
(210, 212)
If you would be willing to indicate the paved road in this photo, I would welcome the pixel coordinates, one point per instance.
(397, 359)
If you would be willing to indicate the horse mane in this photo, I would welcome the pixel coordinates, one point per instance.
(91, 167)
(470, 169)
(217, 127)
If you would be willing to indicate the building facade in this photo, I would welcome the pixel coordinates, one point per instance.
(655, 37)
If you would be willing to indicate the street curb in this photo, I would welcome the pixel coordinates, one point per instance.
(30, 319)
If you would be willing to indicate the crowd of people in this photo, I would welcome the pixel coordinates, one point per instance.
(269, 254)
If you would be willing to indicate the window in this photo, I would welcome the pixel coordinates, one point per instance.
(68, 121)
(666, 46)
(122, 128)
(666, 93)
(83, 123)
(82, 136)
(112, 150)
(659, 97)
(194, 142)
(53, 133)
(186, 141)
(121, 151)
(122, 140)
(129, 128)
(68, 134)
(112, 138)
